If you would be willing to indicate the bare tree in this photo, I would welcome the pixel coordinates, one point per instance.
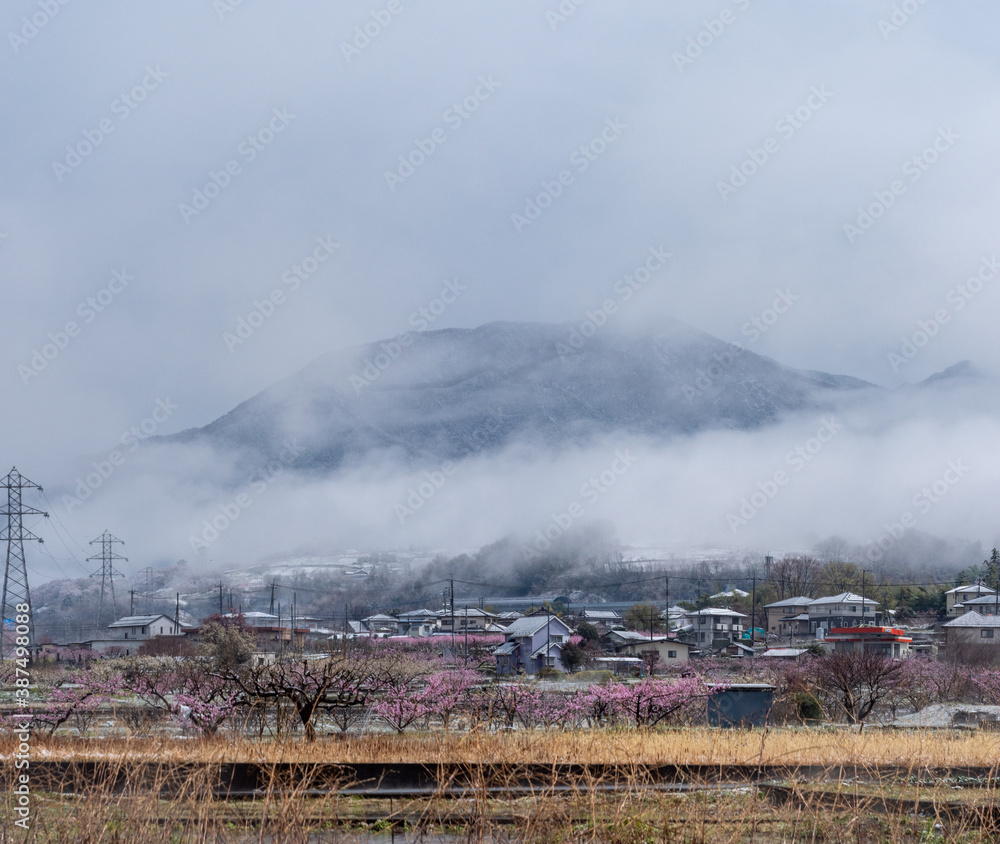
(858, 681)
(795, 576)
(340, 686)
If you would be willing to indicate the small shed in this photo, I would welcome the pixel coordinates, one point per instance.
(740, 705)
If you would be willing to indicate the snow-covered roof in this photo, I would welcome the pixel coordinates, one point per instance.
(715, 611)
(557, 646)
(505, 649)
(798, 601)
(530, 624)
(784, 652)
(630, 635)
(139, 620)
(974, 619)
(985, 600)
(610, 615)
(466, 612)
(732, 593)
(971, 587)
(843, 598)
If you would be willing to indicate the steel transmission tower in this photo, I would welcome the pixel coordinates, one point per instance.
(108, 572)
(15, 575)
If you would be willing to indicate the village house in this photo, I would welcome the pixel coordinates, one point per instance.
(788, 616)
(142, 627)
(471, 619)
(984, 605)
(532, 643)
(972, 628)
(844, 610)
(632, 643)
(715, 628)
(128, 634)
(955, 599)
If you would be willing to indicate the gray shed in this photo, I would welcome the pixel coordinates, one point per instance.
(740, 705)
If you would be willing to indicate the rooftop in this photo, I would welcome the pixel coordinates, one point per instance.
(139, 620)
(798, 601)
(971, 587)
(974, 619)
(844, 598)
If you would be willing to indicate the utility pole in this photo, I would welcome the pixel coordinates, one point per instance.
(15, 576)
(131, 601)
(108, 572)
(451, 593)
(177, 612)
(753, 613)
(548, 632)
(271, 610)
(666, 601)
(863, 607)
(220, 597)
(466, 635)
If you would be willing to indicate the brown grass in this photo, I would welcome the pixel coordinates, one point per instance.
(690, 746)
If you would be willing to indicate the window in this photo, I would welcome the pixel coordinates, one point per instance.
(986, 634)
(671, 654)
(853, 609)
(143, 629)
(161, 628)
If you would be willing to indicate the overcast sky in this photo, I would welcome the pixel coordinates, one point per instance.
(165, 164)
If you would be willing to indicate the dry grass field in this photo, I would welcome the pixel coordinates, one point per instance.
(683, 746)
(911, 807)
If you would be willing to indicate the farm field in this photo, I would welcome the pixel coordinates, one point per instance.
(786, 784)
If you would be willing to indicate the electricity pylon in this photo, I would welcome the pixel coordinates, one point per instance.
(108, 572)
(15, 575)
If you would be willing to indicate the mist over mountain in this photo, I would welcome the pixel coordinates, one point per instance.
(442, 395)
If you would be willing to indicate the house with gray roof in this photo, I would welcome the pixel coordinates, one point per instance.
(532, 643)
(973, 628)
(955, 599)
